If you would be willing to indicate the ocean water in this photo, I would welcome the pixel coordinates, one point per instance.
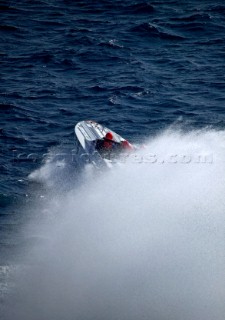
(143, 241)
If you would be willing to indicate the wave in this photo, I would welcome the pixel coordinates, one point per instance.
(216, 8)
(7, 8)
(211, 42)
(151, 30)
(111, 44)
(9, 28)
(193, 17)
(140, 8)
(44, 56)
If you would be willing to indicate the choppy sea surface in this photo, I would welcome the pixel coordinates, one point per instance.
(144, 241)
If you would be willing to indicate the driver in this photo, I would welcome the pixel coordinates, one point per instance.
(108, 144)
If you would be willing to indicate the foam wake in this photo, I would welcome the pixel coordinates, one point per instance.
(143, 241)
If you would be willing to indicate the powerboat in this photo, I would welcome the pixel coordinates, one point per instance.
(90, 136)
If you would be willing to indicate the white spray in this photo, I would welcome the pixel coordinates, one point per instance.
(145, 240)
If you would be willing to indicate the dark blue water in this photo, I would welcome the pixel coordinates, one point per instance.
(135, 66)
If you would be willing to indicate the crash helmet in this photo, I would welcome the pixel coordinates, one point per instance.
(109, 136)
